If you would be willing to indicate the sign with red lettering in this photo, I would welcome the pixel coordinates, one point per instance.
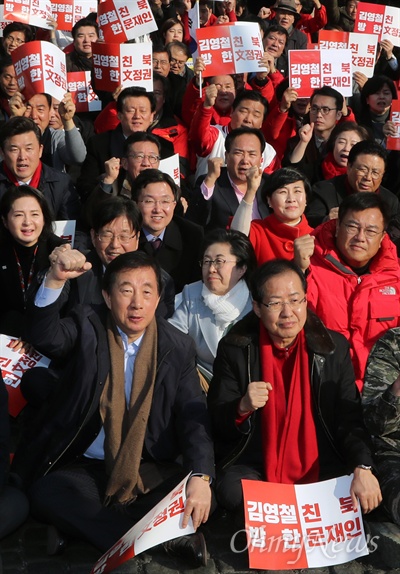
(162, 523)
(126, 64)
(312, 69)
(362, 46)
(230, 49)
(80, 86)
(40, 68)
(170, 165)
(68, 12)
(65, 228)
(393, 142)
(302, 526)
(383, 21)
(32, 12)
(122, 20)
(13, 365)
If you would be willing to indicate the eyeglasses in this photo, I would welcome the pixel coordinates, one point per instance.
(353, 229)
(150, 202)
(323, 109)
(16, 41)
(153, 159)
(365, 172)
(179, 63)
(160, 62)
(107, 237)
(218, 262)
(279, 305)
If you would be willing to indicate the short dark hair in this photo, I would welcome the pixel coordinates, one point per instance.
(282, 177)
(19, 27)
(367, 147)
(85, 22)
(179, 45)
(165, 83)
(16, 126)
(374, 85)
(240, 247)
(140, 137)
(153, 176)
(251, 95)
(207, 3)
(330, 93)
(127, 261)
(5, 62)
(135, 92)
(362, 201)
(242, 131)
(278, 29)
(343, 127)
(49, 99)
(114, 207)
(15, 192)
(271, 269)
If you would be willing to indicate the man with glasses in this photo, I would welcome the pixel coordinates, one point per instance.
(309, 146)
(178, 56)
(366, 166)
(283, 403)
(174, 241)
(14, 35)
(353, 274)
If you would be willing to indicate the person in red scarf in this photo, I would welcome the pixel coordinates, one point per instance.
(283, 399)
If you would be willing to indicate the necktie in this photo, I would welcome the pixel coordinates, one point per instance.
(156, 243)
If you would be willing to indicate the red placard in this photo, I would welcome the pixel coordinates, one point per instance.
(305, 71)
(215, 47)
(394, 142)
(369, 18)
(80, 87)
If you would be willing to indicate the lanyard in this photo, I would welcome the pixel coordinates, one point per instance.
(21, 275)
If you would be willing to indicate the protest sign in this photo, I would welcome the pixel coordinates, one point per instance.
(170, 165)
(126, 64)
(68, 12)
(40, 69)
(65, 228)
(312, 69)
(230, 49)
(2, 23)
(162, 523)
(13, 365)
(393, 142)
(302, 526)
(363, 48)
(383, 21)
(32, 12)
(80, 87)
(122, 20)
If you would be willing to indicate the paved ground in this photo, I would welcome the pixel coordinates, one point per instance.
(25, 553)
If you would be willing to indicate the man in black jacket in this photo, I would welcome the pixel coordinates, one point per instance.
(130, 407)
(283, 397)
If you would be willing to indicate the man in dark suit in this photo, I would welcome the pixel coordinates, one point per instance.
(174, 241)
(135, 109)
(217, 194)
(131, 405)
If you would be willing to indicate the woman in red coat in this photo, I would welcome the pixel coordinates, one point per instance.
(286, 193)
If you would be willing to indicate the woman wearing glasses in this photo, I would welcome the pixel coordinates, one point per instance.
(210, 307)
(286, 193)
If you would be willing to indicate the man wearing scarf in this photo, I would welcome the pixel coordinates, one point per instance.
(130, 420)
(283, 399)
(20, 144)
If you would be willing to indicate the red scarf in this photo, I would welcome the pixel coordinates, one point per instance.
(288, 428)
(330, 168)
(35, 177)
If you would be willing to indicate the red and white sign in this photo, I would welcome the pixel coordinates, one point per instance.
(123, 64)
(162, 523)
(312, 69)
(40, 68)
(302, 526)
(170, 166)
(2, 23)
(65, 228)
(230, 49)
(80, 86)
(13, 366)
(68, 12)
(32, 12)
(393, 142)
(383, 21)
(362, 46)
(121, 20)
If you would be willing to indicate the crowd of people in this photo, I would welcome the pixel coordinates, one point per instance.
(254, 308)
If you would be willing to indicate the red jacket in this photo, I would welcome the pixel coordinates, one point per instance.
(362, 308)
(278, 128)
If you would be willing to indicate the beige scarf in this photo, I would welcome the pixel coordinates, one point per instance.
(125, 428)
